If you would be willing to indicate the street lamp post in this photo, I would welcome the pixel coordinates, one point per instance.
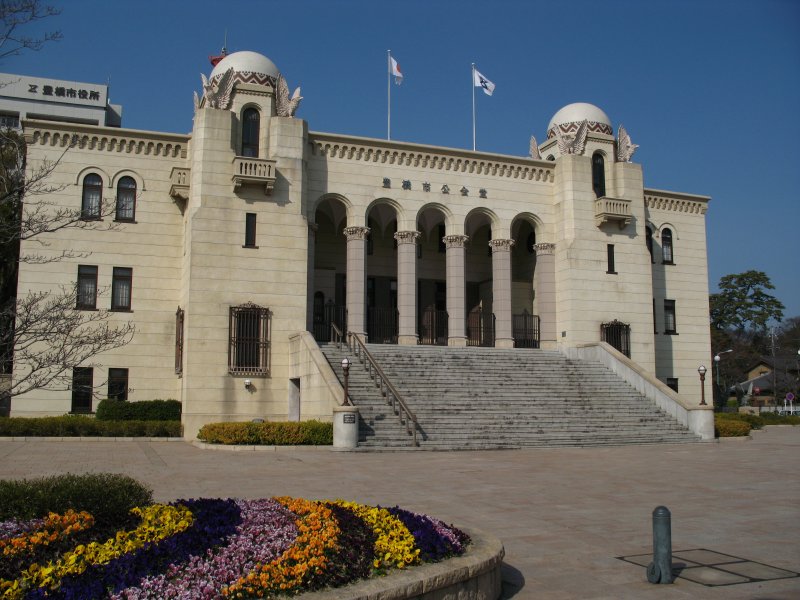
(702, 370)
(346, 370)
(716, 364)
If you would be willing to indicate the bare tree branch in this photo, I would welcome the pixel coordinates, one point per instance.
(50, 337)
(14, 16)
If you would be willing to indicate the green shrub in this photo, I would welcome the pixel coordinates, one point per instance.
(146, 410)
(108, 497)
(755, 421)
(725, 426)
(277, 433)
(76, 425)
(771, 418)
(732, 403)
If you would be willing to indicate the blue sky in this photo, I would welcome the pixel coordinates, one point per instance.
(709, 89)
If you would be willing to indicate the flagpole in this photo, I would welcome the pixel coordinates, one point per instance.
(472, 83)
(388, 94)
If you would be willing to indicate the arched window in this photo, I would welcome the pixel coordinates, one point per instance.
(251, 120)
(649, 241)
(126, 199)
(92, 196)
(666, 247)
(598, 175)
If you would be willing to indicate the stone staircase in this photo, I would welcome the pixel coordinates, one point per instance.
(481, 398)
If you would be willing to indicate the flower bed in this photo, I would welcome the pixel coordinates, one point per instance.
(212, 548)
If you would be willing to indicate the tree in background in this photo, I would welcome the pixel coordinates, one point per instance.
(740, 316)
(41, 333)
(14, 16)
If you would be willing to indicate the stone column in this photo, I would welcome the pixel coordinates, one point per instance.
(546, 294)
(456, 292)
(407, 286)
(356, 279)
(501, 292)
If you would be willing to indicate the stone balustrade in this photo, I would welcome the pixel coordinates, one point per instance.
(261, 171)
(608, 210)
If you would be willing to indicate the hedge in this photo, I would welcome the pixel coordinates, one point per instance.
(108, 497)
(276, 433)
(74, 425)
(727, 427)
(755, 421)
(146, 410)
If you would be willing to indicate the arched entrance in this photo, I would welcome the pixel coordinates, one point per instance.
(480, 326)
(329, 285)
(525, 321)
(432, 316)
(381, 269)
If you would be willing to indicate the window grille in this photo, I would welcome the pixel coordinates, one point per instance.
(121, 288)
(251, 125)
(598, 175)
(249, 340)
(670, 325)
(617, 335)
(666, 247)
(179, 316)
(87, 288)
(118, 384)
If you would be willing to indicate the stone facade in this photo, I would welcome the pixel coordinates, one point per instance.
(256, 234)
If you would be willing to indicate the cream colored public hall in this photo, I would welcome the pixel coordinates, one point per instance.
(236, 247)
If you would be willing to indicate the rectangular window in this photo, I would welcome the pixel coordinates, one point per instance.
(250, 230)
(179, 341)
(82, 389)
(121, 288)
(610, 253)
(670, 326)
(672, 382)
(249, 340)
(87, 288)
(118, 384)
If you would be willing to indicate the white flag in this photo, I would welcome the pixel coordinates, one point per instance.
(482, 82)
(398, 74)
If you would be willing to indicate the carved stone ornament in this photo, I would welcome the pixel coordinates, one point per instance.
(356, 233)
(407, 237)
(573, 144)
(501, 245)
(534, 149)
(544, 249)
(284, 105)
(625, 147)
(217, 93)
(455, 241)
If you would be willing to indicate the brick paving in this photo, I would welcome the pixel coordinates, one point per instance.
(565, 515)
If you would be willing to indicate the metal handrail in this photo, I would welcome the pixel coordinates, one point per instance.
(396, 401)
(336, 336)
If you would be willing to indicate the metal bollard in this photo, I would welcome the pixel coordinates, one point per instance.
(660, 570)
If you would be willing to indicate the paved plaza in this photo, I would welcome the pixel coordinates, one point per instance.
(565, 515)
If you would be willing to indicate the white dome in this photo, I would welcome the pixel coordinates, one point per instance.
(249, 64)
(573, 114)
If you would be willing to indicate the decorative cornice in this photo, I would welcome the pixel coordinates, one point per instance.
(430, 157)
(356, 233)
(105, 139)
(406, 237)
(544, 249)
(455, 241)
(676, 202)
(501, 245)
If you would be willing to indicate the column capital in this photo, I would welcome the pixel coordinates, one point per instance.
(501, 245)
(356, 233)
(544, 249)
(407, 237)
(455, 241)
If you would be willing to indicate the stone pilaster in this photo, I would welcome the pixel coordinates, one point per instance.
(456, 292)
(546, 294)
(501, 292)
(407, 287)
(356, 279)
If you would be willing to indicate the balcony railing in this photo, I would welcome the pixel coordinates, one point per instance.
(179, 183)
(612, 210)
(259, 171)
